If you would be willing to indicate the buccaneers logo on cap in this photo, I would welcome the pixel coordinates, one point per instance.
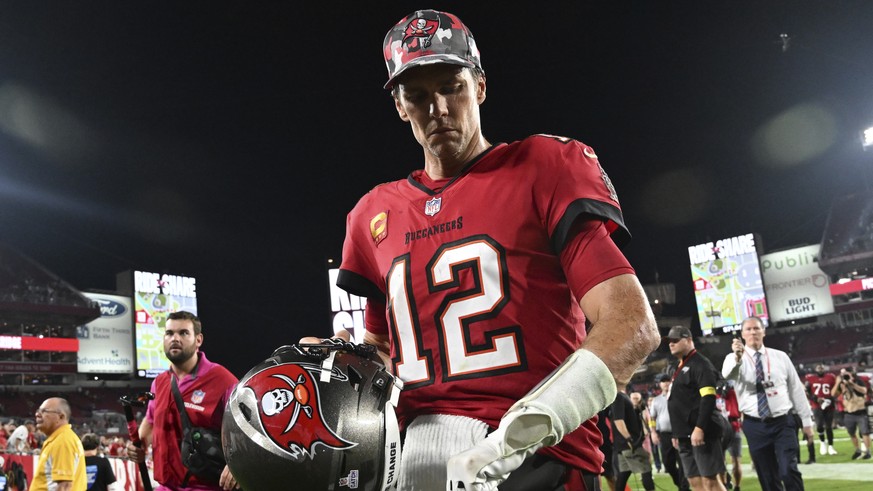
(289, 407)
(422, 30)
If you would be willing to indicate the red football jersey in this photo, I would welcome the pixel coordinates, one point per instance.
(460, 286)
(821, 386)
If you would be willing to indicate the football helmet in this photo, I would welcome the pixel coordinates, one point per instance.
(316, 416)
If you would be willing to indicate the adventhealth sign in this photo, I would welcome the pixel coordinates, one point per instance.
(106, 343)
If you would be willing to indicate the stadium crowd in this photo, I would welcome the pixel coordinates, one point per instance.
(822, 356)
(94, 411)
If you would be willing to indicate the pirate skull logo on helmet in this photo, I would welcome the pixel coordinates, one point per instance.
(315, 419)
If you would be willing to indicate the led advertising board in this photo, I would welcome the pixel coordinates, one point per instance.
(106, 343)
(796, 288)
(155, 296)
(727, 283)
(852, 286)
(38, 343)
(346, 310)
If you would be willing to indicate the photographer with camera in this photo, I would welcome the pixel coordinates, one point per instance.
(854, 402)
(203, 388)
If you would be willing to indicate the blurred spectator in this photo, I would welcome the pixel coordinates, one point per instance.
(34, 437)
(605, 427)
(17, 441)
(651, 443)
(116, 448)
(854, 395)
(99, 470)
(4, 437)
(663, 434)
(629, 432)
(726, 402)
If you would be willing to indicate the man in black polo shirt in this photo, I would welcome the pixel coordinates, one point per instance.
(692, 413)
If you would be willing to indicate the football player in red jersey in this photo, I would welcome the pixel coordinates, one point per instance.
(480, 271)
(821, 385)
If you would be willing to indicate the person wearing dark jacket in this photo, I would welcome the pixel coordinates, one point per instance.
(628, 431)
(693, 413)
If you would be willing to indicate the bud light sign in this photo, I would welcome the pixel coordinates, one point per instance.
(796, 287)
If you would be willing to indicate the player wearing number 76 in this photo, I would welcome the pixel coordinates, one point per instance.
(481, 270)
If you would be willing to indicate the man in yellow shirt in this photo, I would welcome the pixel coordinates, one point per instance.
(61, 464)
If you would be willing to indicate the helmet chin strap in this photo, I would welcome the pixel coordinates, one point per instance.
(327, 366)
(323, 349)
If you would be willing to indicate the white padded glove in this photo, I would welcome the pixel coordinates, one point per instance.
(572, 394)
(489, 462)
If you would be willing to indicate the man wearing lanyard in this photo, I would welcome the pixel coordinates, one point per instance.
(768, 390)
(691, 405)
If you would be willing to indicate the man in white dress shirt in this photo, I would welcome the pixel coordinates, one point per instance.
(768, 392)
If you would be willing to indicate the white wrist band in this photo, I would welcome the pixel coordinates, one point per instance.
(577, 390)
(572, 394)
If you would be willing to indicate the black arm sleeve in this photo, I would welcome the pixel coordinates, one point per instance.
(707, 406)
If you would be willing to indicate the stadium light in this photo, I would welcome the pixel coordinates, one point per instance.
(867, 138)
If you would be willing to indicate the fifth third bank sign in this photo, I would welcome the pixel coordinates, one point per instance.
(106, 343)
(796, 287)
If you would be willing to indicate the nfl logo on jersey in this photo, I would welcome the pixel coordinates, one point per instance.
(432, 206)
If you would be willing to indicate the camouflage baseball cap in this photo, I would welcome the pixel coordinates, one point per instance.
(425, 37)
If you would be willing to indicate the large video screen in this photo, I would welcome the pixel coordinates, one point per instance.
(155, 296)
(727, 283)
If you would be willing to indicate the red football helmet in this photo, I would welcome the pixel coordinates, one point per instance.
(314, 417)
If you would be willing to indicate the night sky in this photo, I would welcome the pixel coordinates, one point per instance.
(227, 141)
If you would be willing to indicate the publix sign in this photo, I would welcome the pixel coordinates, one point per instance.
(795, 286)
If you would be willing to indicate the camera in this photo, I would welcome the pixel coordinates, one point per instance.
(847, 377)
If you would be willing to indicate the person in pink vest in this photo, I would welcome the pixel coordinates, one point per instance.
(205, 388)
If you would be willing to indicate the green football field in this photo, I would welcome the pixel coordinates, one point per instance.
(829, 473)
